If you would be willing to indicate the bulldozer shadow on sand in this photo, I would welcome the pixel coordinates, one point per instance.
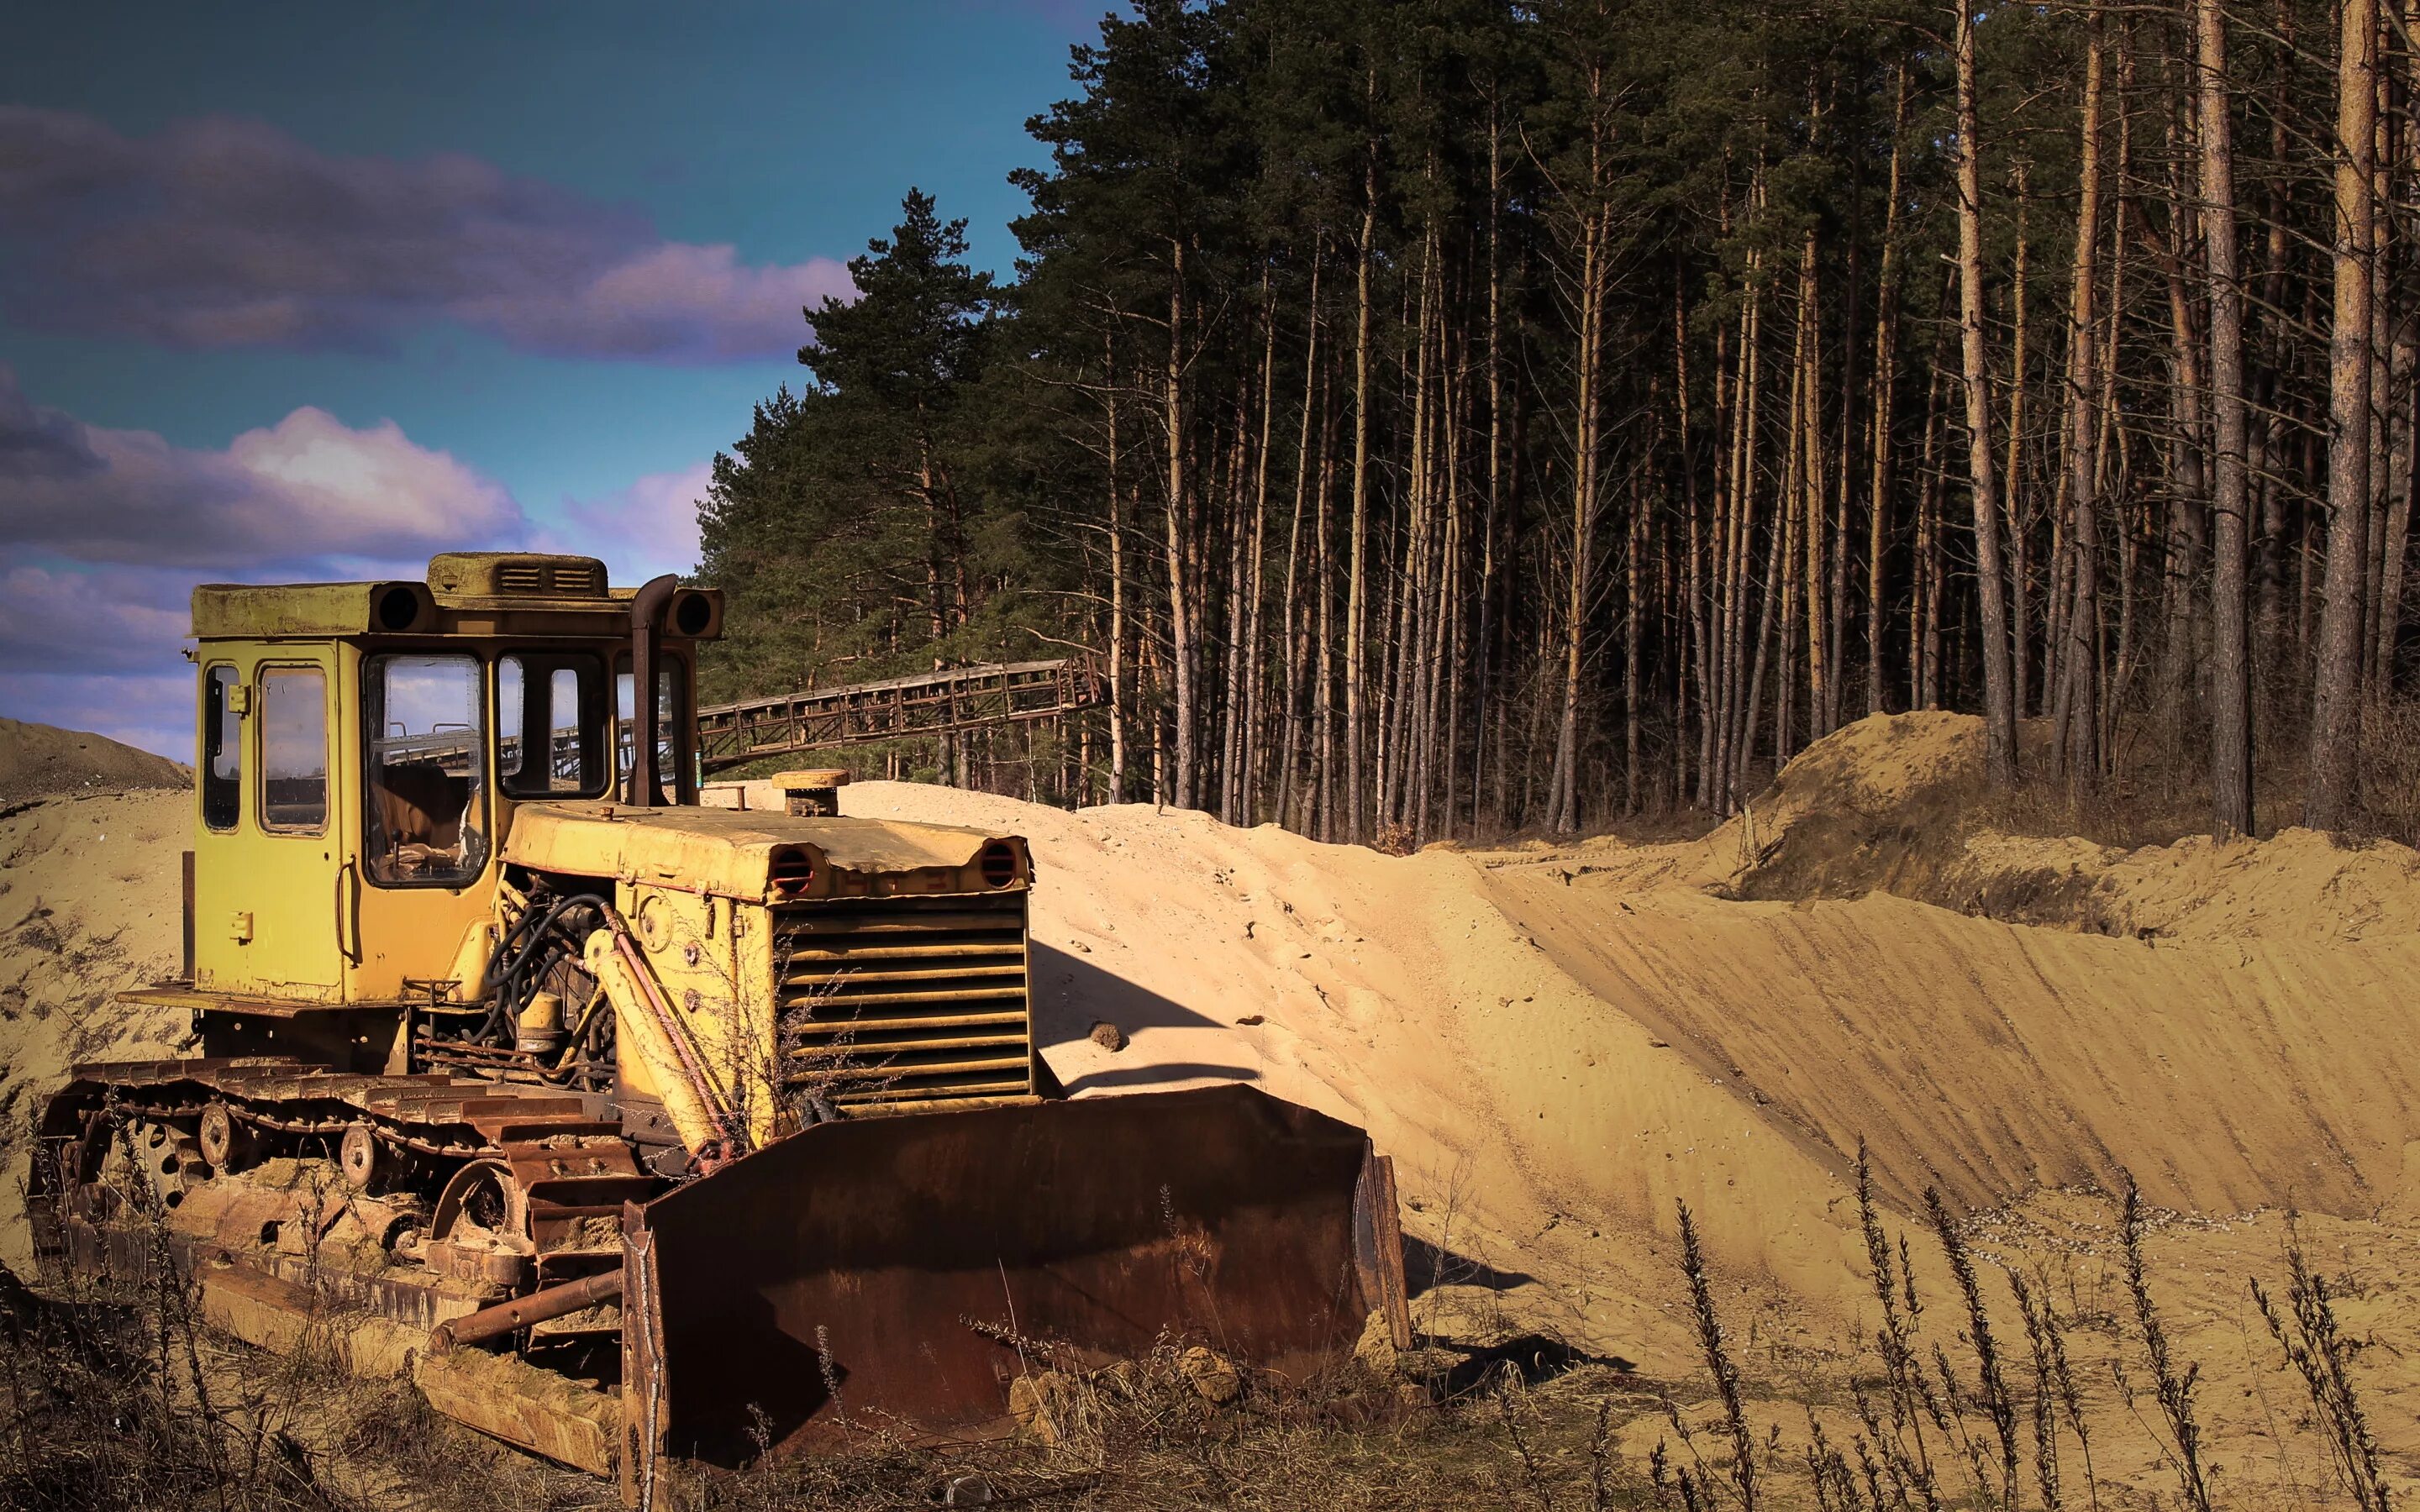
(1072, 995)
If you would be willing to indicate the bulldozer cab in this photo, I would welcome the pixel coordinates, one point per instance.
(361, 749)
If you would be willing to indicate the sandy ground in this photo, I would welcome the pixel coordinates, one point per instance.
(1557, 1043)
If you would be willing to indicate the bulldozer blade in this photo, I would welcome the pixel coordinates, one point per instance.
(898, 1273)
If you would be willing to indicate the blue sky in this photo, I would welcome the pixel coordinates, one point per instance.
(290, 291)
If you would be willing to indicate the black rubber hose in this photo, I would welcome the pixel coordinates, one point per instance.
(508, 990)
(537, 933)
(522, 976)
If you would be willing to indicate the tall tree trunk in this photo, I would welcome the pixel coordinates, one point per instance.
(1483, 679)
(1885, 380)
(2020, 519)
(1634, 573)
(1299, 620)
(1697, 581)
(2081, 664)
(2336, 713)
(1999, 706)
(1183, 652)
(1328, 829)
(1562, 807)
(2112, 445)
(1357, 608)
(1819, 642)
(1118, 633)
(1790, 513)
(2403, 357)
(2188, 454)
(2231, 660)
(1924, 646)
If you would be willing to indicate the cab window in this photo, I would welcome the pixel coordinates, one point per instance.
(294, 749)
(424, 718)
(551, 708)
(221, 749)
(671, 719)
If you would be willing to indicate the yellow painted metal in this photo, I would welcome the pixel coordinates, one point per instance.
(694, 1012)
(243, 612)
(291, 915)
(267, 901)
(401, 935)
(729, 852)
(289, 920)
(467, 594)
(650, 1062)
(458, 577)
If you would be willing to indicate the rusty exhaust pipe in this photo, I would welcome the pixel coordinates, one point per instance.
(646, 622)
(519, 1313)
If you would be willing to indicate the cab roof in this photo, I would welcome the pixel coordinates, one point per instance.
(466, 594)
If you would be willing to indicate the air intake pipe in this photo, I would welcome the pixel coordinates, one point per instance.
(645, 789)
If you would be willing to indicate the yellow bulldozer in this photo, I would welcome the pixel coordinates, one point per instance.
(663, 1132)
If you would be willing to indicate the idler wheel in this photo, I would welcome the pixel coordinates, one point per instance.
(228, 1143)
(483, 1211)
(364, 1162)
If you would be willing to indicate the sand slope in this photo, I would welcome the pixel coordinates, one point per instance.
(1557, 1043)
(1988, 1059)
(89, 906)
(39, 760)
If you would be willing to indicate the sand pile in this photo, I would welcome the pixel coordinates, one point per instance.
(1559, 1042)
(37, 761)
(89, 906)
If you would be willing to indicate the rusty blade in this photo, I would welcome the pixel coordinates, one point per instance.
(901, 1270)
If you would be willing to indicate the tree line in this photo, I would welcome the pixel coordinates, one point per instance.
(1447, 418)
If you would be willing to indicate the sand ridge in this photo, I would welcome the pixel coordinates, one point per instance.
(39, 760)
(1558, 1042)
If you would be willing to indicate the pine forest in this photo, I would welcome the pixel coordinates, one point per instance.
(1448, 420)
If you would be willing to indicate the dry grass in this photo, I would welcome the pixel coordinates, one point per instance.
(112, 1395)
(1940, 1423)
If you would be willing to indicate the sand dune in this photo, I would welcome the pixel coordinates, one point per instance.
(1559, 1042)
(39, 760)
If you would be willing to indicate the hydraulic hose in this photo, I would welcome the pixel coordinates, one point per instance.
(506, 986)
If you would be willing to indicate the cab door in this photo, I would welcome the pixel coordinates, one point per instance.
(425, 819)
(266, 853)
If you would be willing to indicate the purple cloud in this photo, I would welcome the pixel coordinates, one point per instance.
(104, 532)
(308, 489)
(217, 233)
(62, 622)
(651, 525)
(153, 711)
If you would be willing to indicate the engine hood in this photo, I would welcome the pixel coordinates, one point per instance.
(731, 852)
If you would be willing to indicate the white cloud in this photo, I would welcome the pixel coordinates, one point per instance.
(69, 621)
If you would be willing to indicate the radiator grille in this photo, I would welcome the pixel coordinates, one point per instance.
(905, 1000)
(520, 578)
